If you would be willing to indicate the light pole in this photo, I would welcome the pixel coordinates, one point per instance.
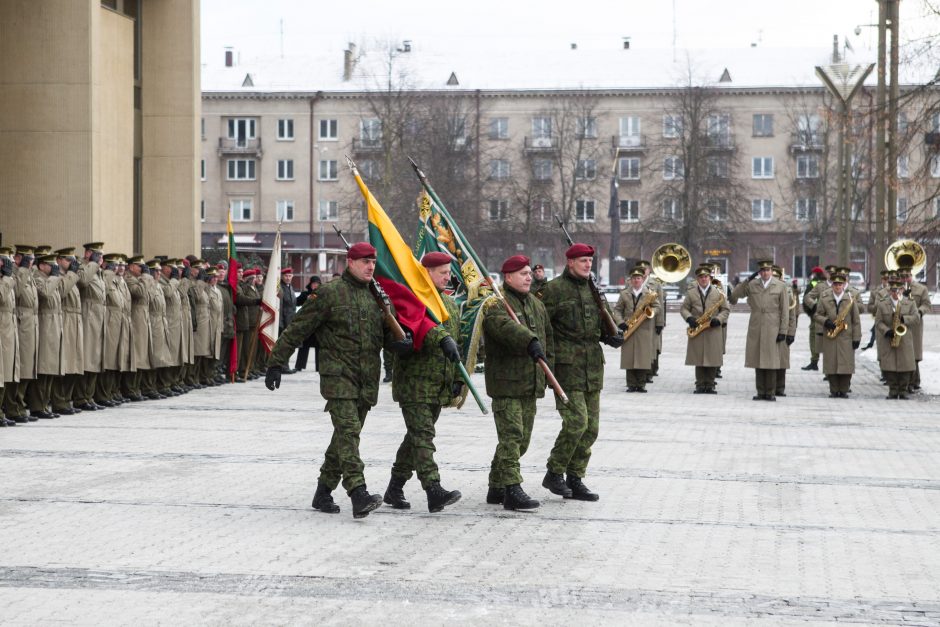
(843, 82)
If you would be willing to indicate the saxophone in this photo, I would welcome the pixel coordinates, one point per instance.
(840, 321)
(643, 312)
(704, 321)
(899, 328)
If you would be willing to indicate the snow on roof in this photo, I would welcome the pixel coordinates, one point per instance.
(493, 70)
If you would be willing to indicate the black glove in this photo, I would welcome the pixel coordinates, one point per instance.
(95, 257)
(622, 326)
(907, 292)
(456, 389)
(404, 346)
(889, 333)
(692, 322)
(450, 349)
(25, 261)
(715, 322)
(856, 344)
(659, 330)
(74, 266)
(790, 340)
(753, 275)
(615, 341)
(55, 270)
(272, 378)
(829, 324)
(781, 337)
(535, 349)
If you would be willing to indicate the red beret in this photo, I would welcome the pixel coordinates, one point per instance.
(251, 272)
(514, 263)
(287, 271)
(361, 250)
(579, 250)
(433, 260)
(817, 270)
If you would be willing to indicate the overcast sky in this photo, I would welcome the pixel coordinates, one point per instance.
(253, 27)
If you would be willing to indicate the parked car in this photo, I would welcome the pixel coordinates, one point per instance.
(857, 281)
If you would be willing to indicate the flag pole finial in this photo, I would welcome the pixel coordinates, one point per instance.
(350, 162)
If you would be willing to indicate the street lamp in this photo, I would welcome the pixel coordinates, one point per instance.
(843, 82)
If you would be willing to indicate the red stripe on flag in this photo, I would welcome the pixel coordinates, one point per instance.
(264, 339)
(410, 311)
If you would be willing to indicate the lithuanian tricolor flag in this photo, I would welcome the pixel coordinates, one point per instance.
(418, 305)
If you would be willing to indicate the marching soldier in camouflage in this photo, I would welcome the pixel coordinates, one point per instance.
(705, 351)
(513, 380)
(350, 331)
(424, 381)
(538, 279)
(579, 368)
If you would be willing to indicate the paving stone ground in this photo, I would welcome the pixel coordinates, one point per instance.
(714, 510)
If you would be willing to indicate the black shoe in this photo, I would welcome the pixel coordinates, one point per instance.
(649, 378)
(87, 407)
(811, 366)
(45, 415)
(770, 397)
(517, 499)
(363, 502)
(579, 491)
(395, 495)
(844, 394)
(711, 391)
(323, 500)
(439, 498)
(640, 390)
(20, 419)
(154, 396)
(136, 399)
(914, 388)
(631, 389)
(32, 417)
(555, 484)
(495, 496)
(834, 395)
(784, 394)
(387, 378)
(8, 423)
(718, 374)
(757, 397)
(902, 396)
(699, 391)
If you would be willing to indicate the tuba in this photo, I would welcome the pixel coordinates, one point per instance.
(671, 263)
(905, 253)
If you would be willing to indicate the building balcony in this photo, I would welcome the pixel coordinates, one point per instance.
(628, 143)
(719, 143)
(807, 142)
(240, 146)
(366, 146)
(540, 144)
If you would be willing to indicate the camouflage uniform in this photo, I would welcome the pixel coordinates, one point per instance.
(513, 380)
(579, 367)
(350, 332)
(423, 382)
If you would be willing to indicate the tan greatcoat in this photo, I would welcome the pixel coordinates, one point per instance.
(73, 342)
(9, 335)
(900, 359)
(140, 319)
(50, 289)
(792, 315)
(186, 323)
(215, 321)
(637, 353)
(203, 335)
(838, 354)
(769, 318)
(159, 344)
(91, 284)
(174, 327)
(707, 348)
(921, 297)
(117, 336)
(27, 319)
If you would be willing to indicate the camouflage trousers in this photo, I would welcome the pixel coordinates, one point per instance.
(416, 452)
(342, 459)
(514, 418)
(580, 421)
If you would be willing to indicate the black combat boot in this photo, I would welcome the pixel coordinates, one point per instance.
(555, 484)
(394, 495)
(323, 500)
(517, 499)
(438, 497)
(580, 491)
(812, 365)
(363, 502)
(495, 496)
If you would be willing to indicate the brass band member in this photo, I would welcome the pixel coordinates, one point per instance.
(840, 335)
(637, 307)
(705, 309)
(894, 318)
(918, 293)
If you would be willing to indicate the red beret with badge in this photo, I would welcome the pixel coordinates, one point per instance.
(579, 250)
(433, 260)
(361, 250)
(514, 264)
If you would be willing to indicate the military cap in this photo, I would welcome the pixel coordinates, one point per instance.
(435, 259)
(838, 278)
(7, 250)
(895, 282)
(843, 270)
(136, 259)
(514, 264)
(24, 249)
(113, 257)
(251, 272)
(287, 271)
(638, 271)
(42, 250)
(703, 270)
(200, 263)
(885, 273)
(830, 268)
(643, 263)
(361, 250)
(95, 247)
(153, 264)
(904, 271)
(50, 259)
(68, 251)
(578, 249)
(538, 266)
(212, 272)
(765, 264)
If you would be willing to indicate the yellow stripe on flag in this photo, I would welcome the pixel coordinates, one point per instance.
(411, 269)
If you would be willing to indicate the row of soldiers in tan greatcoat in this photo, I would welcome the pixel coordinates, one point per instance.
(82, 333)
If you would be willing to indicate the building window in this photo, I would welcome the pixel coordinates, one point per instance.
(672, 126)
(672, 210)
(630, 131)
(904, 167)
(806, 209)
(499, 169)
(629, 210)
(542, 209)
(202, 210)
(241, 129)
(241, 169)
(329, 170)
(240, 209)
(202, 127)
(329, 211)
(673, 168)
(586, 128)
(717, 166)
(499, 209)
(368, 168)
(762, 167)
(935, 167)
(807, 167)
(542, 169)
(202, 170)
(902, 212)
(499, 128)
(285, 210)
(285, 169)
(809, 130)
(285, 130)
(370, 132)
(584, 211)
(762, 209)
(716, 209)
(763, 125)
(542, 127)
(586, 170)
(718, 129)
(329, 129)
(628, 169)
